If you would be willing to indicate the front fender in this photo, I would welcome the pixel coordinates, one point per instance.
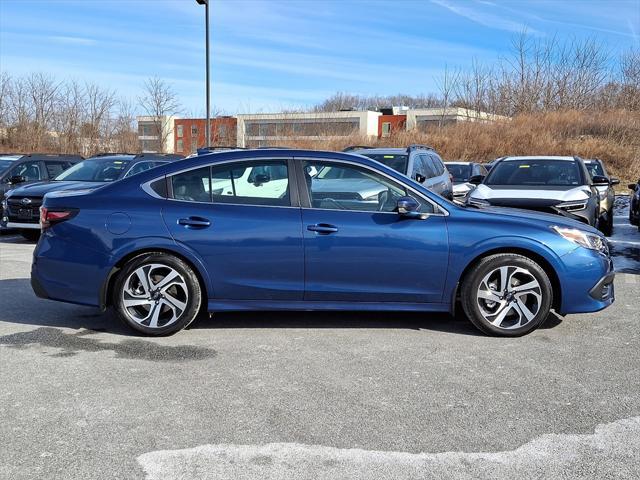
(462, 257)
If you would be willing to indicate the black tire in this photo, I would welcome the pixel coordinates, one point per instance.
(190, 286)
(471, 302)
(633, 220)
(606, 226)
(31, 235)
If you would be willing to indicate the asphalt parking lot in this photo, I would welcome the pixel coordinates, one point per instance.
(316, 395)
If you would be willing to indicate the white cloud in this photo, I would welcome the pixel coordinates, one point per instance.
(484, 18)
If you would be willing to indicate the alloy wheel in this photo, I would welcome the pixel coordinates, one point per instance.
(509, 297)
(155, 295)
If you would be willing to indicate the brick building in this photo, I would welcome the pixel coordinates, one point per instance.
(190, 133)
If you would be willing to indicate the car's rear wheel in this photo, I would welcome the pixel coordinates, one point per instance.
(507, 295)
(157, 294)
(31, 235)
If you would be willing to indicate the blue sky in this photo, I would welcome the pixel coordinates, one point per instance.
(269, 55)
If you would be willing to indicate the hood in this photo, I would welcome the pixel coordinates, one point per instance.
(554, 194)
(41, 188)
(543, 219)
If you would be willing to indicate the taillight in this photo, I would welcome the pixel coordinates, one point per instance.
(50, 216)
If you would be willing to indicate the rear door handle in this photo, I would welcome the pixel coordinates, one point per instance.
(194, 222)
(322, 228)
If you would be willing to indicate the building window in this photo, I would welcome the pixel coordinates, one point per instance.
(180, 145)
(180, 132)
(194, 131)
(222, 130)
(386, 129)
(194, 144)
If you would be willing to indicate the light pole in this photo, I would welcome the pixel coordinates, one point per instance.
(206, 23)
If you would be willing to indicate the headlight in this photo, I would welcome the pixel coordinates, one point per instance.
(584, 239)
(478, 202)
(573, 206)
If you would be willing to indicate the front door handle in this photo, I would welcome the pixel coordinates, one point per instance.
(322, 228)
(194, 222)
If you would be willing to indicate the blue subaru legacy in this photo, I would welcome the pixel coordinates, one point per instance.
(296, 230)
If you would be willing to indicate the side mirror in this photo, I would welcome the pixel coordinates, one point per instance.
(614, 181)
(632, 186)
(600, 181)
(17, 179)
(420, 178)
(476, 179)
(408, 207)
(260, 179)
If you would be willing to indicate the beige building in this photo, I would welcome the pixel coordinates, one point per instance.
(423, 119)
(263, 129)
(155, 134)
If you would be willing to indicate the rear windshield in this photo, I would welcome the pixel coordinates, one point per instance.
(460, 173)
(534, 172)
(95, 170)
(396, 161)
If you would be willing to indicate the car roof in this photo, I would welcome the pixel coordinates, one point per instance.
(113, 157)
(592, 160)
(380, 151)
(539, 157)
(460, 163)
(10, 157)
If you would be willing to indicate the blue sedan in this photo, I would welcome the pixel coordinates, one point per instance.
(297, 230)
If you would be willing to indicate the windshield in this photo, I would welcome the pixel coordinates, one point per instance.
(7, 161)
(594, 168)
(460, 173)
(95, 170)
(397, 162)
(535, 172)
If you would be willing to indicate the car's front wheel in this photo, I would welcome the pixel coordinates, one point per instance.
(157, 294)
(507, 295)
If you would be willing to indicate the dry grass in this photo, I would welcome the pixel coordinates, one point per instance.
(613, 136)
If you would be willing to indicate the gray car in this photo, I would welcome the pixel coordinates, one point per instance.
(462, 173)
(418, 162)
(596, 167)
(557, 185)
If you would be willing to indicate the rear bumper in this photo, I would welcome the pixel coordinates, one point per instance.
(74, 278)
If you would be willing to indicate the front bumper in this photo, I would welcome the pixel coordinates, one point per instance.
(587, 282)
(25, 226)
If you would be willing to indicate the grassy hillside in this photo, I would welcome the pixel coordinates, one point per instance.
(613, 136)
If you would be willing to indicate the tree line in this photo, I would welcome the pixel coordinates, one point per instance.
(536, 75)
(39, 113)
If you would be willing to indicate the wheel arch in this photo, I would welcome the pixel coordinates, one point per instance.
(525, 252)
(107, 287)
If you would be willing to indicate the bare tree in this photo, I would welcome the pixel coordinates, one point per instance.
(159, 101)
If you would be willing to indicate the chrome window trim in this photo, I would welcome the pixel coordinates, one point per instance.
(146, 186)
(436, 205)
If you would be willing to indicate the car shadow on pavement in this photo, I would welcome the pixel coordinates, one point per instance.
(18, 304)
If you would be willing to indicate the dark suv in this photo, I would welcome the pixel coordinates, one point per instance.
(22, 205)
(20, 169)
(634, 204)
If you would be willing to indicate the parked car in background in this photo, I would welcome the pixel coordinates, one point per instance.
(462, 172)
(607, 194)
(634, 204)
(418, 162)
(21, 169)
(160, 246)
(21, 205)
(557, 185)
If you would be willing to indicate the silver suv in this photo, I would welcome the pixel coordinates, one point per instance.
(418, 162)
